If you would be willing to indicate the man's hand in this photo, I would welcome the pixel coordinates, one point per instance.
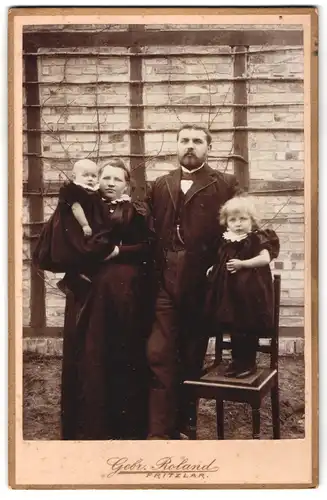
(113, 254)
(209, 271)
(234, 265)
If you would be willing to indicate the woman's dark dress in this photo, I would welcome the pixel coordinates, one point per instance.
(243, 301)
(104, 376)
(62, 244)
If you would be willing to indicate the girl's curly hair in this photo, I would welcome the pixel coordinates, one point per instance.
(237, 205)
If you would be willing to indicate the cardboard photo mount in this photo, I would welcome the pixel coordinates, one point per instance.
(106, 465)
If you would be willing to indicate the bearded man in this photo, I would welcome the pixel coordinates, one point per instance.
(185, 204)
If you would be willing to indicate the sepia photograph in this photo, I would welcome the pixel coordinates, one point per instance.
(166, 196)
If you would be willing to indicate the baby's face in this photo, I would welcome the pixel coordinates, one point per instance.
(239, 222)
(87, 175)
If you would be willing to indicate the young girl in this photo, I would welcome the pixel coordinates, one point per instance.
(240, 296)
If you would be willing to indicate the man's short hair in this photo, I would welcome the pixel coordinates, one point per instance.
(196, 127)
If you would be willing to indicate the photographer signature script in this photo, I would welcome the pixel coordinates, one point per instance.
(164, 467)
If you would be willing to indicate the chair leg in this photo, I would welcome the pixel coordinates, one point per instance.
(220, 418)
(275, 411)
(218, 349)
(256, 421)
(193, 417)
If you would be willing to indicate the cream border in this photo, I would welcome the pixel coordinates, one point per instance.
(242, 463)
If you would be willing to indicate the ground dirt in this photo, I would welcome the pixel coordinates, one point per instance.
(41, 417)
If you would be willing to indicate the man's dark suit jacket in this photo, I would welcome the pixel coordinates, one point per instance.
(200, 223)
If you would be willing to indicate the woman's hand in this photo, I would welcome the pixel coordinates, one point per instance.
(113, 254)
(209, 271)
(234, 265)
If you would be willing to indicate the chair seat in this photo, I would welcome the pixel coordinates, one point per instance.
(214, 380)
(216, 374)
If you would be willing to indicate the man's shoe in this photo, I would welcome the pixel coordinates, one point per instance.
(183, 436)
(175, 436)
(165, 438)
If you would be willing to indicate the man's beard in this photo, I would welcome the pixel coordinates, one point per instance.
(190, 161)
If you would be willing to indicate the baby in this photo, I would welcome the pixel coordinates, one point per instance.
(78, 237)
(85, 176)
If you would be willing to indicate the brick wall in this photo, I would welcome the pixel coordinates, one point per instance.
(273, 156)
(279, 156)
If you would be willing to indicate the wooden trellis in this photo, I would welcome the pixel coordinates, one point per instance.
(134, 41)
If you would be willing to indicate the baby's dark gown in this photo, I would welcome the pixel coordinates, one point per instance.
(62, 245)
(243, 301)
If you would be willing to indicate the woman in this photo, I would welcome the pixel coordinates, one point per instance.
(104, 376)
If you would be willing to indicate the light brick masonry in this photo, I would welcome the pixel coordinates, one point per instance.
(273, 155)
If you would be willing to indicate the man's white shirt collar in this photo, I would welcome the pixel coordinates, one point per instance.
(191, 171)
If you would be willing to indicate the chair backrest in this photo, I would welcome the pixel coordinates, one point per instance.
(275, 332)
(271, 337)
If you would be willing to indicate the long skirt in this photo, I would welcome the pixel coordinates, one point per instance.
(105, 374)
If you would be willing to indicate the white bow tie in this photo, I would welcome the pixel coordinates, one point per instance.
(186, 185)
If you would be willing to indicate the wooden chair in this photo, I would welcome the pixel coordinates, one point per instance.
(214, 385)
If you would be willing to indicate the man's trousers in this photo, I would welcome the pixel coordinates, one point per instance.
(176, 350)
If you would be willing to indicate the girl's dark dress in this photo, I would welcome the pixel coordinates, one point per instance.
(243, 301)
(104, 374)
(62, 244)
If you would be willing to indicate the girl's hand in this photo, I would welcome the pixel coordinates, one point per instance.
(209, 271)
(234, 265)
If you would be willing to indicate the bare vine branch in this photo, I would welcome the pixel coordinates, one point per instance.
(66, 144)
